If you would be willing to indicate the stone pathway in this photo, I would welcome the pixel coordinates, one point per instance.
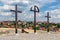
(31, 36)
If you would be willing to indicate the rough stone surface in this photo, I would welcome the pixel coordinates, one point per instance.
(31, 36)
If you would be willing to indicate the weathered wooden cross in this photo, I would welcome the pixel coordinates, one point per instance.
(16, 11)
(36, 9)
(48, 21)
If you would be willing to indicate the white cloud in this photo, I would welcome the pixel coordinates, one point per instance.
(58, 16)
(7, 1)
(17, 0)
(47, 1)
(55, 15)
(55, 6)
(25, 1)
(39, 14)
(53, 12)
(14, 1)
(30, 16)
(41, 3)
(11, 19)
(5, 13)
(5, 7)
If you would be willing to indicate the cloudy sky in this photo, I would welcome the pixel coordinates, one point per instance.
(51, 6)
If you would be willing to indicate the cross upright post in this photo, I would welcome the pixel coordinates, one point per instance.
(16, 23)
(35, 10)
(48, 21)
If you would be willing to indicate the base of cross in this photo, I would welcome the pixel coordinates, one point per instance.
(47, 29)
(23, 31)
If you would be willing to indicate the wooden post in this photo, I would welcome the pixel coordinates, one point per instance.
(35, 10)
(48, 21)
(16, 24)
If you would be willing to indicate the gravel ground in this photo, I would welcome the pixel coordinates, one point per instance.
(31, 36)
(40, 35)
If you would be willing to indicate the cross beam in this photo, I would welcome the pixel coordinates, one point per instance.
(36, 9)
(16, 11)
(48, 21)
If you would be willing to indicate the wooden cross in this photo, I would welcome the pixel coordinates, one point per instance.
(16, 11)
(48, 21)
(36, 9)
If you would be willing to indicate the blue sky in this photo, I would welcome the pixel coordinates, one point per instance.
(51, 6)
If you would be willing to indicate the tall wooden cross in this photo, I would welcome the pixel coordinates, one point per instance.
(16, 11)
(48, 21)
(36, 9)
